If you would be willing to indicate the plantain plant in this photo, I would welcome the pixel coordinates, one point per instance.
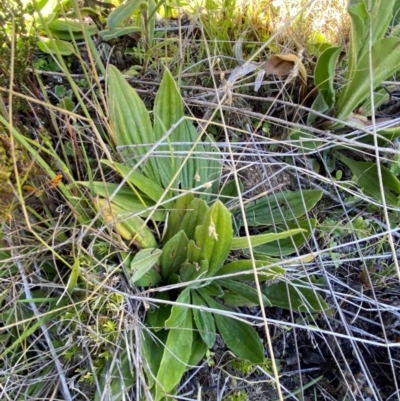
(189, 262)
(373, 55)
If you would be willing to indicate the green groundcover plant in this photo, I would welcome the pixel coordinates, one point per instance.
(191, 259)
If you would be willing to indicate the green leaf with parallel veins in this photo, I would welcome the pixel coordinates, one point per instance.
(125, 198)
(177, 214)
(290, 245)
(324, 75)
(68, 25)
(176, 356)
(281, 207)
(156, 317)
(168, 111)
(174, 254)
(231, 299)
(194, 252)
(53, 46)
(150, 279)
(295, 295)
(193, 271)
(239, 243)
(108, 34)
(187, 270)
(199, 349)
(178, 312)
(214, 237)
(366, 176)
(246, 266)
(139, 181)
(123, 12)
(143, 261)
(238, 336)
(244, 291)
(131, 122)
(153, 345)
(204, 321)
(305, 141)
(385, 56)
(194, 217)
(230, 192)
(213, 289)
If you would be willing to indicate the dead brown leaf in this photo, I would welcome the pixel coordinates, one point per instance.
(283, 65)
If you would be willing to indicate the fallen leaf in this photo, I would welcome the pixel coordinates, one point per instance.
(285, 64)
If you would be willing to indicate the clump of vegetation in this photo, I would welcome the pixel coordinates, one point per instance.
(187, 216)
(17, 47)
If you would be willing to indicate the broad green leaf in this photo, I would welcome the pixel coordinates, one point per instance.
(230, 191)
(194, 217)
(186, 271)
(131, 228)
(239, 243)
(281, 207)
(385, 59)
(204, 321)
(232, 299)
(152, 8)
(153, 345)
(288, 246)
(68, 25)
(243, 290)
(52, 46)
(46, 7)
(150, 279)
(199, 349)
(214, 237)
(73, 277)
(168, 111)
(158, 315)
(72, 36)
(380, 96)
(192, 271)
(194, 253)
(108, 34)
(213, 289)
(365, 174)
(205, 164)
(125, 198)
(123, 12)
(365, 20)
(177, 214)
(385, 136)
(238, 336)
(246, 266)
(143, 261)
(174, 254)
(359, 31)
(319, 105)
(174, 279)
(176, 356)
(295, 295)
(306, 142)
(131, 121)
(324, 74)
(139, 181)
(178, 313)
